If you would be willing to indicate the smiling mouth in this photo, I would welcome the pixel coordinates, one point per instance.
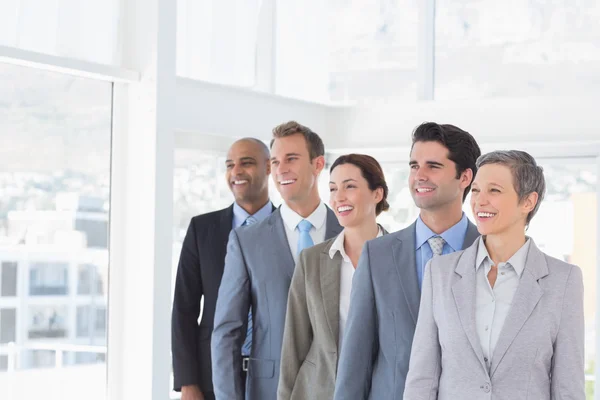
(424, 190)
(485, 215)
(287, 182)
(345, 209)
(239, 182)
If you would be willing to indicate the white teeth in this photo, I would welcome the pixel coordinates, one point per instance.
(287, 182)
(240, 182)
(345, 208)
(424, 190)
(485, 215)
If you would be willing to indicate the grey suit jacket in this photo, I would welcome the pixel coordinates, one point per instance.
(258, 271)
(309, 355)
(384, 306)
(539, 354)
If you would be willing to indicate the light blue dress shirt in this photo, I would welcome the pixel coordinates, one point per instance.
(240, 215)
(454, 237)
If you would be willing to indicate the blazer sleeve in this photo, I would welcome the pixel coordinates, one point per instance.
(298, 332)
(361, 341)
(568, 376)
(186, 310)
(231, 316)
(424, 369)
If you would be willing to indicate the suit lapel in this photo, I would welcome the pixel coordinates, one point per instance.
(222, 228)
(470, 236)
(526, 298)
(464, 295)
(330, 289)
(332, 227)
(405, 260)
(280, 247)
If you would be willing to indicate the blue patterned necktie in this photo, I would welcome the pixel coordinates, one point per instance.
(304, 240)
(247, 346)
(437, 245)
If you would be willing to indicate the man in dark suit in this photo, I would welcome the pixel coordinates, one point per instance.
(201, 266)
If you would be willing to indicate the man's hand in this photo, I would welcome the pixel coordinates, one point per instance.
(191, 392)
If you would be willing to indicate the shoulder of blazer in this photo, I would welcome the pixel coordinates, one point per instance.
(214, 216)
(259, 228)
(389, 239)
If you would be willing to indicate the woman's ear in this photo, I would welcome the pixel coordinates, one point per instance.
(378, 195)
(529, 202)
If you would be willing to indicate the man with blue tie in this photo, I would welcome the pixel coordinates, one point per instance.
(259, 266)
(202, 262)
(384, 302)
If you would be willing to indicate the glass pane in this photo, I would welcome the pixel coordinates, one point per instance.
(83, 321)
(8, 325)
(63, 28)
(216, 40)
(55, 132)
(565, 227)
(487, 48)
(8, 279)
(48, 279)
(48, 322)
(403, 211)
(373, 50)
(91, 280)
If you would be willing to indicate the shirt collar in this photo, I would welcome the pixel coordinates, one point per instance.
(292, 219)
(517, 261)
(454, 236)
(338, 245)
(240, 215)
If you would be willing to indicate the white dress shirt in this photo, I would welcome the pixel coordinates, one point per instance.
(346, 275)
(492, 305)
(291, 219)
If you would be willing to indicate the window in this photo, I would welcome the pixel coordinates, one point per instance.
(83, 321)
(48, 322)
(217, 40)
(565, 227)
(55, 132)
(90, 281)
(8, 279)
(8, 325)
(48, 279)
(486, 48)
(91, 322)
(373, 50)
(64, 28)
(100, 322)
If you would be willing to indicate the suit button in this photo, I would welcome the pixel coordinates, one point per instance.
(485, 387)
(485, 359)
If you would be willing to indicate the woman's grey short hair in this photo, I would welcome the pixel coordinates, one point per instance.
(528, 177)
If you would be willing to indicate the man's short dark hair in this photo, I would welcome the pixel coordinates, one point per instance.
(462, 147)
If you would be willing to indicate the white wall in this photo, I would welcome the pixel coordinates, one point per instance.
(541, 120)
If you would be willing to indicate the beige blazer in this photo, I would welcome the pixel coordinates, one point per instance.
(540, 352)
(309, 355)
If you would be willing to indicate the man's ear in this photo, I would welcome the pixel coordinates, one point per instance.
(319, 162)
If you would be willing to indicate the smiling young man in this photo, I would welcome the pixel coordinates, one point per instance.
(202, 261)
(259, 266)
(385, 297)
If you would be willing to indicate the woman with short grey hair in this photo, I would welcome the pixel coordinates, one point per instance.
(501, 319)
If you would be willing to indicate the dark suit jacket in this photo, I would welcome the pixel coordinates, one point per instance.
(199, 276)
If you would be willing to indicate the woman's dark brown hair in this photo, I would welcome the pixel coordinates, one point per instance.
(371, 171)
